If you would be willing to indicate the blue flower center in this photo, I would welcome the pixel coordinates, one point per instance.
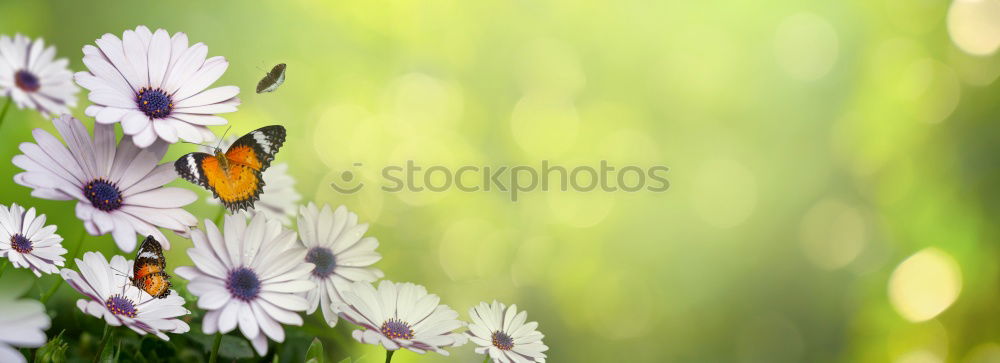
(103, 195)
(154, 102)
(502, 340)
(243, 284)
(20, 243)
(324, 260)
(27, 81)
(120, 305)
(396, 329)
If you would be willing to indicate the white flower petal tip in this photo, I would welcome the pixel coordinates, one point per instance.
(502, 333)
(248, 275)
(28, 243)
(33, 78)
(279, 199)
(23, 325)
(118, 188)
(156, 86)
(109, 295)
(335, 245)
(401, 316)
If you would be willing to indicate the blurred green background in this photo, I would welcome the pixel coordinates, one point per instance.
(814, 147)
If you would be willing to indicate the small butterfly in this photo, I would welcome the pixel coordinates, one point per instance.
(272, 79)
(235, 176)
(149, 272)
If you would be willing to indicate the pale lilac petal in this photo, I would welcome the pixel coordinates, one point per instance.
(211, 96)
(159, 57)
(202, 78)
(197, 119)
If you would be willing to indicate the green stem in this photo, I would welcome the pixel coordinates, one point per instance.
(6, 106)
(215, 348)
(59, 281)
(52, 291)
(487, 360)
(104, 342)
(388, 355)
(79, 246)
(4, 266)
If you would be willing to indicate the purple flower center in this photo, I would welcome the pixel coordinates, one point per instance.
(396, 329)
(20, 243)
(103, 195)
(243, 284)
(324, 260)
(120, 305)
(502, 340)
(154, 102)
(26, 81)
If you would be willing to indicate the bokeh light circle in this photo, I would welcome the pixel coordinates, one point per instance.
(974, 25)
(925, 284)
(832, 234)
(806, 46)
(983, 353)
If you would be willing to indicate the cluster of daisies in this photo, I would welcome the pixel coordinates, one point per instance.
(254, 271)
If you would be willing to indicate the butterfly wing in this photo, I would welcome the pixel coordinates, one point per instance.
(239, 188)
(156, 285)
(149, 258)
(149, 269)
(265, 83)
(272, 79)
(257, 148)
(190, 168)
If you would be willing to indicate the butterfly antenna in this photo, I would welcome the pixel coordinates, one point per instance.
(223, 136)
(119, 272)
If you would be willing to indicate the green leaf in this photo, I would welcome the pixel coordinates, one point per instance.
(231, 347)
(108, 355)
(235, 348)
(345, 360)
(54, 351)
(315, 352)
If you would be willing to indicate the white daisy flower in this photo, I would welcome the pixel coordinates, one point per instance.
(340, 254)
(22, 324)
(27, 242)
(401, 315)
(502, 333)
(252, 276)
(118, 188)
(112, 297)
(155, 86)
(33, 78)
(278, 200)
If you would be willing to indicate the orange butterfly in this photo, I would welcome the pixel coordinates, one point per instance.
(235, 176)
(149, 272)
